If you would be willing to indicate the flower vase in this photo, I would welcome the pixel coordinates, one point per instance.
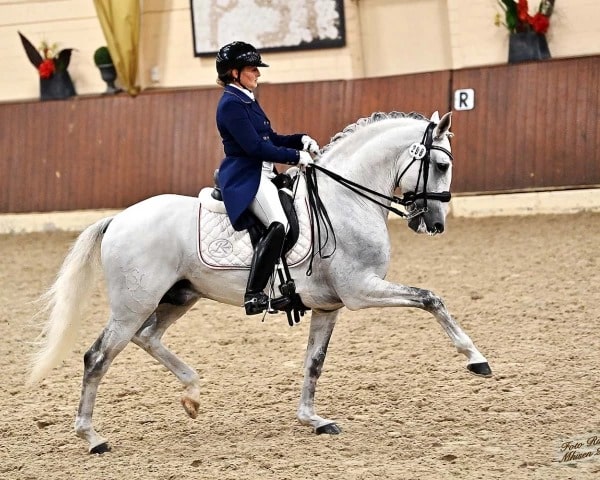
(527, 46)
(57, 87)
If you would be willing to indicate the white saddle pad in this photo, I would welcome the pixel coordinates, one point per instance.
(222, 247)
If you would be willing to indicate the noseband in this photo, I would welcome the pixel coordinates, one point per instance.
(422, 151)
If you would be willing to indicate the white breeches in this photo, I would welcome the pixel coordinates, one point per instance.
(266, 205)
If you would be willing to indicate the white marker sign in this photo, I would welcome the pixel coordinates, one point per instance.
(464, 99)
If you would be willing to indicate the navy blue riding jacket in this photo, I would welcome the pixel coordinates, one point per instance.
(248, 140)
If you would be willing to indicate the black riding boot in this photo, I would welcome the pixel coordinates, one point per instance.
(266, 254)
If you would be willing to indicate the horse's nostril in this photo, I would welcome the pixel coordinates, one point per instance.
(439, 227)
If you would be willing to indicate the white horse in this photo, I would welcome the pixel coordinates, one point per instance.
(153, 274)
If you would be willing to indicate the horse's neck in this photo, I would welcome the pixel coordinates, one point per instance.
(368, 162)
(345, 205)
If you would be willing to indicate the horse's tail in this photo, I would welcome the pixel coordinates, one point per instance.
(65, 300)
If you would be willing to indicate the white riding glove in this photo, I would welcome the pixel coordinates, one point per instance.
(305, 159)
(310, 145)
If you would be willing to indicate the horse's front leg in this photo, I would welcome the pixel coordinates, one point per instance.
(321, 327)
(376, 292)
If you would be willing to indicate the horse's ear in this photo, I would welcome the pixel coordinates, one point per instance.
(435, 117)
(443, 126)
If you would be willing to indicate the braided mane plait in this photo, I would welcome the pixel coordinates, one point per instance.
(375, 117)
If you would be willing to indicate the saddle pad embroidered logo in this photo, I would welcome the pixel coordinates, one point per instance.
(220, 246)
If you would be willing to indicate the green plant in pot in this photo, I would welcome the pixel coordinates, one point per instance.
(104, 62)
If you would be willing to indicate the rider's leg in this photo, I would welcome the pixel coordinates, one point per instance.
(266, 254)
(267, 208)
(266, 204)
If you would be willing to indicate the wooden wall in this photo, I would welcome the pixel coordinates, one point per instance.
(534, 126)
(108, 151)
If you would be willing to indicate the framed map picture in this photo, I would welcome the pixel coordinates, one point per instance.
(267, 24)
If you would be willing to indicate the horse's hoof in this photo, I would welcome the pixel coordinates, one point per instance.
(190, 406)
(482, 368)
(100, 448)
(329, 429)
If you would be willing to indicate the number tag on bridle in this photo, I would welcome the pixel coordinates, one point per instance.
(417, 151)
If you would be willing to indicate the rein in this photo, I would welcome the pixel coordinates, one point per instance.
(324, 228)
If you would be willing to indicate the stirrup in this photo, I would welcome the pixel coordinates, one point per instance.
(280, 303)
(255, 303)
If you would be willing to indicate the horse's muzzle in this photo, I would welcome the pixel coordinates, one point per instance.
(431, 221)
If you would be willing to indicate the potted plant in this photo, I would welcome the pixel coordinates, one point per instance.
(104, 62)
(51, 64)
(527, 33)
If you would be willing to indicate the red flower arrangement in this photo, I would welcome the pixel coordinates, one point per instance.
(47, 68)
(516, 13)
(49, 60)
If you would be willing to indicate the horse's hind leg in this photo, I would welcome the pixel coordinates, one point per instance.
(97, 360)
(321, 328)
(149, 338)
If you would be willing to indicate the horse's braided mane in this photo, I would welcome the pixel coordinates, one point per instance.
(375, 117)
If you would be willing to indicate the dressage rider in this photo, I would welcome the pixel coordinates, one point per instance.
(251, 147)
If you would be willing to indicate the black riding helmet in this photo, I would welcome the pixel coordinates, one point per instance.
(236, 55)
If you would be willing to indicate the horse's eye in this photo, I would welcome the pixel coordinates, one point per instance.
(443, 166)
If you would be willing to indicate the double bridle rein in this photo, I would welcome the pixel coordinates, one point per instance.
(418, 151)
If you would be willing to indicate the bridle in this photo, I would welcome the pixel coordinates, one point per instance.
(418, 151)
(422, 151)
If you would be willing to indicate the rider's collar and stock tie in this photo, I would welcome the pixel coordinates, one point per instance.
(418, 151)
